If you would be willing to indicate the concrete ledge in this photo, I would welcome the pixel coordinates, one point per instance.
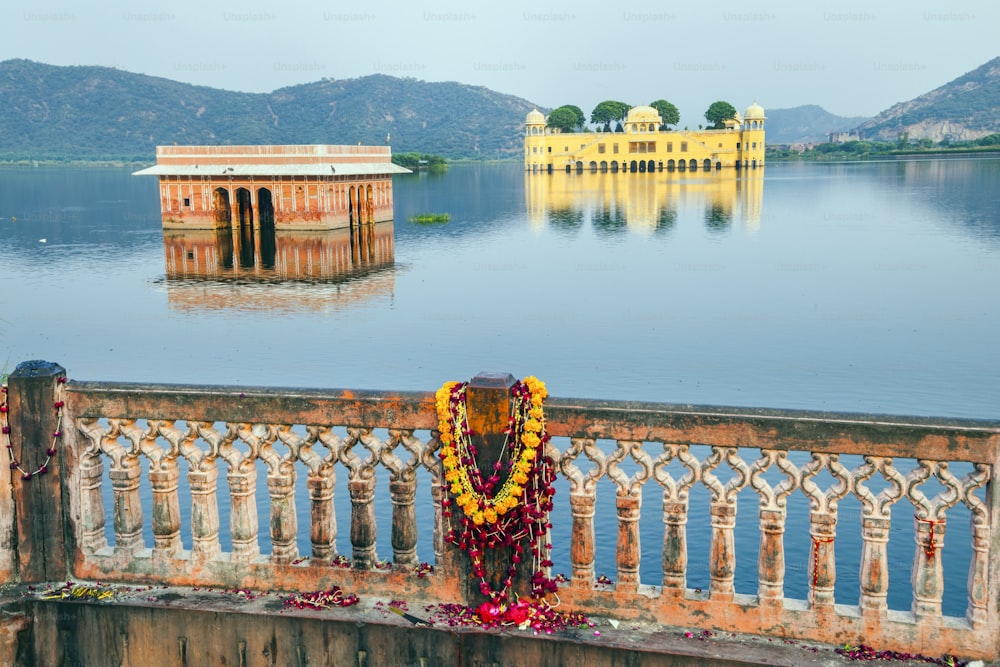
(160, 626)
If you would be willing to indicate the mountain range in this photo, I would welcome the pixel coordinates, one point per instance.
(966, 108)
(101, 113)
(97, 113)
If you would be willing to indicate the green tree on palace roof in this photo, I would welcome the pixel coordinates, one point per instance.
(668, 112)
(718, 113)
(608, 111)
(565, 118)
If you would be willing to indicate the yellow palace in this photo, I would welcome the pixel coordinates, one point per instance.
(644, 147)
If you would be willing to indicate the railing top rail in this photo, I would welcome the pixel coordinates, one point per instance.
(248, 404)
(834, 432)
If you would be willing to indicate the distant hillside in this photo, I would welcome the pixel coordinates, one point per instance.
(806, 124)
(50, 112)
(966, 108)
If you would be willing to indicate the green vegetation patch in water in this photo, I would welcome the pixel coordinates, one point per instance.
(430, 218)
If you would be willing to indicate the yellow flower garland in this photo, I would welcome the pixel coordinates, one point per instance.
(526, 433)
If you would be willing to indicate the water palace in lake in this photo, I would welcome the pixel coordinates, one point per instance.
(309, 187)
(644, 147)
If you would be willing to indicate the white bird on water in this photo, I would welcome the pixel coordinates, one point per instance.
(42, 240)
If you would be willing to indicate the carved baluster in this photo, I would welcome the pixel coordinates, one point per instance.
(281, 486)
(629, 503)
(978, 583)
(431, 462)
(241, 478)
(582, 498)
(823, 526)
(91, 469)
(675, 514)
(403, 491)
(582, 537)
(164, 475)
(675, 559)
(771, 558)
(822, 558)
(629, 507)
(722, 553)
(125, 473)
(928, 574)
(361, 486)
(722, 508)
(875, 525)
(930, 523)
(321, 482)
(203, 476)
(875, 564)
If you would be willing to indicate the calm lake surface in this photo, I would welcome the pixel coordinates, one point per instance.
(868, 287)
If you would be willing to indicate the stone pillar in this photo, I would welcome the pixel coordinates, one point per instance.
(488, 401)
(33, 420)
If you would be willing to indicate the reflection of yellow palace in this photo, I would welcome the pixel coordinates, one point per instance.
(644, 147)
(645, 202)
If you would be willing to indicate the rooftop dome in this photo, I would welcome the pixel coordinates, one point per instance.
(643, 114)
(754, 112)
(535, 117)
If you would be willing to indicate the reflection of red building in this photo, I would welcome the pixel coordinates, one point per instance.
(306, 256)
(285, 187)
(284, 272)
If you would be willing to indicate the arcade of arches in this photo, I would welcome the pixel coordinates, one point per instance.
(310, 187)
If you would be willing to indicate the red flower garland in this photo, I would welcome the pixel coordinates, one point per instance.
(15, 464)
(527, 518)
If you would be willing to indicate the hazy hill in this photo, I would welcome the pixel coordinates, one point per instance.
(85, 112)
(805, 124)
(966, 108)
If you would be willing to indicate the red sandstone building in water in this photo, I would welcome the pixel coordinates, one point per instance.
(310, 187)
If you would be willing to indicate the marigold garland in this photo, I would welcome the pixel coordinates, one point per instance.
(496, 514)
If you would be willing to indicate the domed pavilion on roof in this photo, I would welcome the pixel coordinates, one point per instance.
(646, 145)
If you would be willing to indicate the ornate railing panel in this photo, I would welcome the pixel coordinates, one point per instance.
(771, 460)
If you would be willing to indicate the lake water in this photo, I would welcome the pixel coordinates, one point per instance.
(868, 287)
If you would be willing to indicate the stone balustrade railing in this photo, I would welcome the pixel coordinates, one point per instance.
(187, 446)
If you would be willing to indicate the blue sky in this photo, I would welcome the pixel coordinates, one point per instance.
(852, 58)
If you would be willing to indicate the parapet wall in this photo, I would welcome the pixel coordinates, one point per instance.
(132, 497)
